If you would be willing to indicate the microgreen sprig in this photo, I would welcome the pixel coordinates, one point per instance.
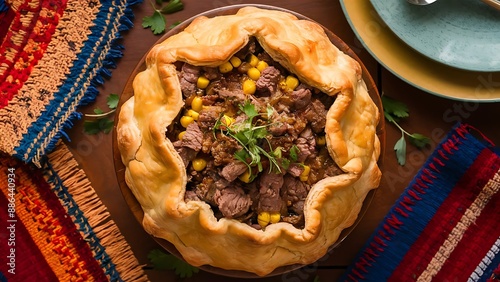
(250, 137)
(393, 112)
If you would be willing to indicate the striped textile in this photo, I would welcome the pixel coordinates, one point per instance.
(53, 55)
(57, 229)
(444, 227)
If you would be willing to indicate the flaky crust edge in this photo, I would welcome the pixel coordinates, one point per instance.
(157, 177)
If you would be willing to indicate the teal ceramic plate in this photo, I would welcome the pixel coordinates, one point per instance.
(411, 66)
(464, 34)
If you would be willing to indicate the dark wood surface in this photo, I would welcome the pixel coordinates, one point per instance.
(430, 115)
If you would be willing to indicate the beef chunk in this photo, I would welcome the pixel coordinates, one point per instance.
(269, 192)
(206, 190)
(301, 97)
(223, 149)
(315, 113)
(232, 170)
(206, 143)
(187, 154)
(193, 137)
(294, 193)
(209, 100)
(232, 201)
(295, 169)
(211, 73)
(267, 83)
(188, 76)
(306, 144)
(236, 95)
(208, 116)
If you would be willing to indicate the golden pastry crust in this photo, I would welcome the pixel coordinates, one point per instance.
(157, 176)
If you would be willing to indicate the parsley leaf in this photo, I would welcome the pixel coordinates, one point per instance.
(99, 120)
(419, 140)
(394, 109)
(172, 7)
(251, 137)
(163, 261)
(112, 101)
(393, 112)
(400, 148)
(156, 22)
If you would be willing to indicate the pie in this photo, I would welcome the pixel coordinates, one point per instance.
(250, 141)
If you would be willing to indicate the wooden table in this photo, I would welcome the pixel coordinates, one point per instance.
(429, 115)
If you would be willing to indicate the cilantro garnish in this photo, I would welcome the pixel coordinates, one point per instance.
(393, 112)
(251, 137)
(157, 21)
(163, 261)
(100, 121)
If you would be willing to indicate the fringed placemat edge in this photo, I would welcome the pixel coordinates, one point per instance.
(30, 151)
(92, 217)
(374, 253)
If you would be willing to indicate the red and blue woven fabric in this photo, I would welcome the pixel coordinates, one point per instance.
(445, 225)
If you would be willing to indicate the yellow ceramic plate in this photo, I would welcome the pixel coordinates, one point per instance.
(413, 67)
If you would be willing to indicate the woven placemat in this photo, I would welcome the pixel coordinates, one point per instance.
(53, 55)
(445, 225)
(57, 228)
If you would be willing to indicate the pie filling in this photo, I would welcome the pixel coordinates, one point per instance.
(251, 136)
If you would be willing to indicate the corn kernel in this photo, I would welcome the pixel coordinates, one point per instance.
(228, 120)
(304, 176)
(253, 73)
(192, 113)
(249, 87)
(263, 219)
(320, 140)
(199, 164)
(202, 82)
(275, 217)
(252, 60)
(235, 61)
(225, 67)
(197, 104)
(261, 65)
(181, 135)
(245, 177)
(291, 82)
(186, 120)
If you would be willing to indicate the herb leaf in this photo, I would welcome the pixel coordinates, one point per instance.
(251, 137)
(99, 121)
(163, 261)
(112, 101)
(394, 110)
(172, 7)
(156, 22)
(400, 148)
(419, 140)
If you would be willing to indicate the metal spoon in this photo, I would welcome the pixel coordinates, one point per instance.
(493, 3)
(421, 2)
